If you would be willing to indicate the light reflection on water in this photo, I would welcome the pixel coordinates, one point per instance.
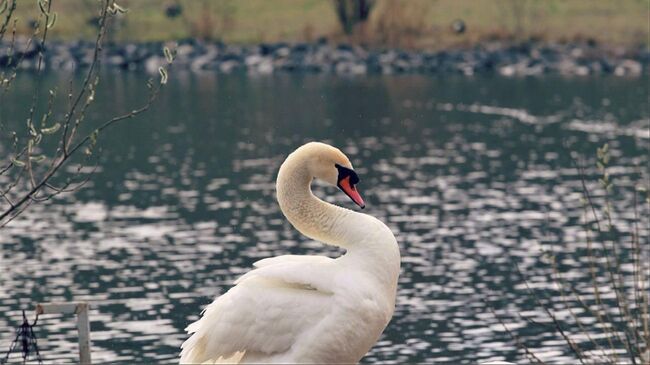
(469, 173)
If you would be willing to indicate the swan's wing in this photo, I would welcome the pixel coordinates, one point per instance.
(315, 272)
(307, 259)
(263, 314)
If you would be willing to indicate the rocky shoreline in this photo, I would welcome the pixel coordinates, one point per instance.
(524, 59)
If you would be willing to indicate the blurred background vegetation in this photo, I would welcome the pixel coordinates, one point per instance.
(418, 24)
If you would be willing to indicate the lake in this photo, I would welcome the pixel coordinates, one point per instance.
(472, 174)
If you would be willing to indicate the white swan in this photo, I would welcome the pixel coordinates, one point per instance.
(307, 309)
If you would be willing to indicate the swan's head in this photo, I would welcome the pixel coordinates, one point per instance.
(330, 165)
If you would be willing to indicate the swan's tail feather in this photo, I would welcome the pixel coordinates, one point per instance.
(193, 352)
(234, 359)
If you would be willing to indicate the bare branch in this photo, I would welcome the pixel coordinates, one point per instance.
(8, 16)
(65, 140)
(68, 144)
(520, 344)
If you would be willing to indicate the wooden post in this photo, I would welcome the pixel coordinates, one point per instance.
(83, 324)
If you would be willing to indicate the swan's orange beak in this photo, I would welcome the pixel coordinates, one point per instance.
(347, 182)
(351, 191)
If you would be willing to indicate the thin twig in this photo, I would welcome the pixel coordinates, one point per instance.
(572, 345)
(520, 343)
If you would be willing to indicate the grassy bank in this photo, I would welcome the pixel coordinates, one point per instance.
(421, 24)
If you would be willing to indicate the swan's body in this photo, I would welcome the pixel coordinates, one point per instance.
(307, 309)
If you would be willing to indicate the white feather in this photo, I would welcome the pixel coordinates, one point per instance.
(306, 309)
(261, 315)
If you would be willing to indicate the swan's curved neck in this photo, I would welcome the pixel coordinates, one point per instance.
(370, 245)
(310, 215)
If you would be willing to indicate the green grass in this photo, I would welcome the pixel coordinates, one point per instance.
(423, 24)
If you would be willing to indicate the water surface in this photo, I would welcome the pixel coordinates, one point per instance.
(471, 174)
